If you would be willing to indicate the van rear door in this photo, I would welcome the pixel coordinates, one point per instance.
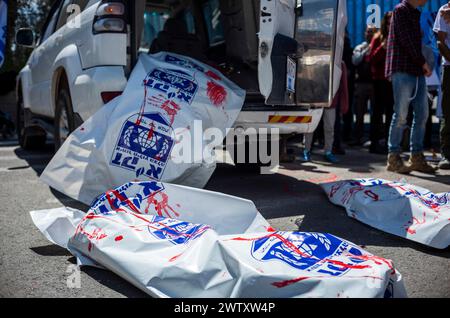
(300, 51)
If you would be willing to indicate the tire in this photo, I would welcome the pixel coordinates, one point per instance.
(251, 167)
(28, 139)
(64, 116)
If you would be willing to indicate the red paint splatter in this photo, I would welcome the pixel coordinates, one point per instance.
(144, 103)
(171, 108)
(151, 132)
(412, 225)
(118, 238)
(173, 259)
(294, 248)
(160, 201)
(286, 283)
(213, 75)
(270, 229)
(216, 93)
(372, 195)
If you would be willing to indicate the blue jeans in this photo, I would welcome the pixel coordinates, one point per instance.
(408, 90)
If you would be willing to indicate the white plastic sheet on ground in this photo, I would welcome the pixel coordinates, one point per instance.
(398, 208)
(135, 136)
(175, 241)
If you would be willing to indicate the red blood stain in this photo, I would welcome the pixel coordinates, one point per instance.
(96, 235)
(171, 108)
(412, 225)
(151, 132)
(148, 224)
(294, 248)
(286, 283)
(376, 259)
(118, 238)
(160, 201)
(372, 195)
(216, 93)
(111, 193)
(173, 259)
(213, 75)
(142, 109)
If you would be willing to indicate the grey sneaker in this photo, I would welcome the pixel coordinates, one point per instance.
(444, 164)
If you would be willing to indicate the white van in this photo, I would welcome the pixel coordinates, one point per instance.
(285, 53)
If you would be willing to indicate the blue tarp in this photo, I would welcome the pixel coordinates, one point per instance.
(3, 24)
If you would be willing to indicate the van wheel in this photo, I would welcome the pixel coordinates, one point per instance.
(28, 139)
(64, 117)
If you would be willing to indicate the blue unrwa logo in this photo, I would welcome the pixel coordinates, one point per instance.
(137, 193)
(183, 62)
(175, 231)
(173, 83)
(144, 145)
(304, 251)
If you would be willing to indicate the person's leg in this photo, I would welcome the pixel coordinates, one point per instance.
(427, 142)
(308, 141)
(445, 121)
(376, 118)
(329, 119)
(404, 86)
(348, 117)
(419, 123)
(337, 149)
(363, 93)
(420, 109)
(388, 107)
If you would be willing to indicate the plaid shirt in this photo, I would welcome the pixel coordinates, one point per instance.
(404, 47)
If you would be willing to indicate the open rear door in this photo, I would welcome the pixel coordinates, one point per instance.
(300, 51)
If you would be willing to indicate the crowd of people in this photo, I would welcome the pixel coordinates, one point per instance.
(386, 74)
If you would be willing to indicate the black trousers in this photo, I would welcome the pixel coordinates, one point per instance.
(383, 105)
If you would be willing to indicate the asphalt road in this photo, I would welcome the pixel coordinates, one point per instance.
(291, 200)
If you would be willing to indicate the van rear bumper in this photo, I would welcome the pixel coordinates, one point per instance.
(288, 122)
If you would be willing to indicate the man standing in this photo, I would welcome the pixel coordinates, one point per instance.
(442, 28)
(363, 84)
(407, 68)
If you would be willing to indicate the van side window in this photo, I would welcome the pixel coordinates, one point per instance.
(213, 20)
(50, 24)
(154, 21)
(190, 22)
(64, 15)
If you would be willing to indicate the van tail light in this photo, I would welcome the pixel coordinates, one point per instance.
(109, 96)
(110, 18)
(111, 8)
